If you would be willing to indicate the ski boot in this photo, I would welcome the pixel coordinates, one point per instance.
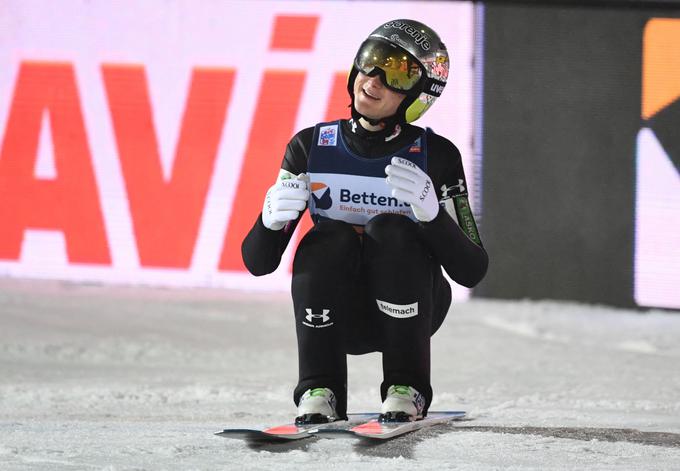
(316, 406)
(402, 404)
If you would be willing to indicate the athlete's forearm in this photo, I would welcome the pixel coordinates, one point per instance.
(262, 248)
(464, 260)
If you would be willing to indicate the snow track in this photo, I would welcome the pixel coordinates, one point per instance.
(120, 379)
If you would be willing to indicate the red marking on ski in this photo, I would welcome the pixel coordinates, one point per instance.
(369, 428)
(282, 430)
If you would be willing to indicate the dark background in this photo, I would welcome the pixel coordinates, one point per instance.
(562, 101)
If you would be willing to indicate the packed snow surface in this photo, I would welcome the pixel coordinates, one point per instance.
(110, 378)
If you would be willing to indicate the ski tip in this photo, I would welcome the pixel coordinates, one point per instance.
(251, 435)
(385, 430)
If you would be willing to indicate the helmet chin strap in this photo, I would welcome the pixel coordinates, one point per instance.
(388, 123)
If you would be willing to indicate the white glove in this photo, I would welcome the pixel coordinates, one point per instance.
(285, 200)
(411, 185)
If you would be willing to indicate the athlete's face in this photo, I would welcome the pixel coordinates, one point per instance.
(372, 99)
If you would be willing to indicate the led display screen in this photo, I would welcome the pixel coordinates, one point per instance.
(138, 138)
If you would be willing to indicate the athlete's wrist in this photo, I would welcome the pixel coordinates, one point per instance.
(425, 216)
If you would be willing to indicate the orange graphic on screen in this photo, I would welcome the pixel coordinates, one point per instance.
(661, 65)
(294, 32)
(657, 169)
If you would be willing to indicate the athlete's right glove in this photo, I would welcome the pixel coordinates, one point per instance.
(285, 200)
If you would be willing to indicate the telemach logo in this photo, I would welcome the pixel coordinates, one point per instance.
(400, 311)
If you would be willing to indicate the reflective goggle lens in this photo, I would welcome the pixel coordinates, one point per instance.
(401, 70)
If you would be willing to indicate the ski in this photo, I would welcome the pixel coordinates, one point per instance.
(373, 429)
(291, 432)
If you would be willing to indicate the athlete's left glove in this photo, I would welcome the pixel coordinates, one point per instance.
(411, 185)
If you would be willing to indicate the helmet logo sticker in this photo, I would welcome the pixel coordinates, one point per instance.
(419, 37)
(437, 89)
(398, 40)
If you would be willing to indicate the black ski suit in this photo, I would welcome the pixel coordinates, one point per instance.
(353, 293)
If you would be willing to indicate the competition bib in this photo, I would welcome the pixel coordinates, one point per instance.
(350, 188)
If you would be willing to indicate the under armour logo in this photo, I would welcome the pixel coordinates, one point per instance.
(323, 316)
(460, 187)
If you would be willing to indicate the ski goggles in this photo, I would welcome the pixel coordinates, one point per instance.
(398, 69)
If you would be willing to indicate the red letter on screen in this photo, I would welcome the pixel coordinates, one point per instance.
(166, 215)
(271, 130)
(294, 32)
(69, 202)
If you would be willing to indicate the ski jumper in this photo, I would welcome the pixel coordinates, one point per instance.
(368, 276)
